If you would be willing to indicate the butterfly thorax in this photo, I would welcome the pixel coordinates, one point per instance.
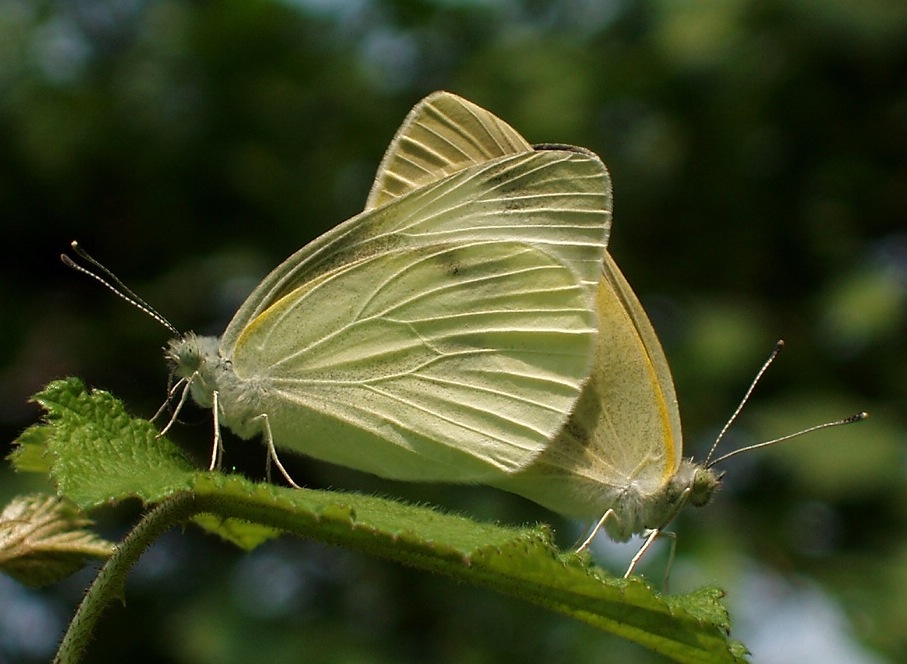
(199, 361)
(639, 502)
(637, 509)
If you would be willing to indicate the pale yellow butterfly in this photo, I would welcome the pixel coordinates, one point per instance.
(443, 334)
(620, 453)
(619, 456)
(467, 327)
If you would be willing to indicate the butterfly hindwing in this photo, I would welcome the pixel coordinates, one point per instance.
(465, 357)
(444, 335)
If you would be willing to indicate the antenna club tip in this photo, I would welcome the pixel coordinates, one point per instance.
(859, 417)
(74, 244)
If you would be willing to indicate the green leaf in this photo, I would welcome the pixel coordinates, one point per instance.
(30, 454)
(521, 562)
(244, 534)
(100, 454)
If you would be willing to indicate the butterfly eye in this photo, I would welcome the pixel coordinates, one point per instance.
(184, 355)
(705, 482)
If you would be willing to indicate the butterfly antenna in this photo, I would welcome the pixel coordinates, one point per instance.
(746, 397)
(858, 417)
(113, 283)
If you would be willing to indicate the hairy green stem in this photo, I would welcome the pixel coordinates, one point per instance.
(110, 582)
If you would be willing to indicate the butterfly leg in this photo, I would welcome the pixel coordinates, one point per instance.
(217, 450)
(657, 532)
(171, 390)
(653, 535)
(650, 538)
(179, 406)
(272, 451)
(598, 526)
(673, 536)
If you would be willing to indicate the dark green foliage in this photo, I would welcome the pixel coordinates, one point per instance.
(758, 152)
(100, 455)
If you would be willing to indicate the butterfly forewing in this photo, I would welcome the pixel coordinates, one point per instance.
(651, 387)
(626, 426)
(441, 135)
(557, 201)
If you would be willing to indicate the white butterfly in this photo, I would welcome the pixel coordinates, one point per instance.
(620, 453)
(443, 334)
(468, 326)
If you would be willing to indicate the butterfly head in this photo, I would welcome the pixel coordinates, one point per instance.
(693, 483)
(187, 354)
(197, 360)
(703, 486)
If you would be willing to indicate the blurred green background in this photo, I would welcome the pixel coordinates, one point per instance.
(759, 158)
